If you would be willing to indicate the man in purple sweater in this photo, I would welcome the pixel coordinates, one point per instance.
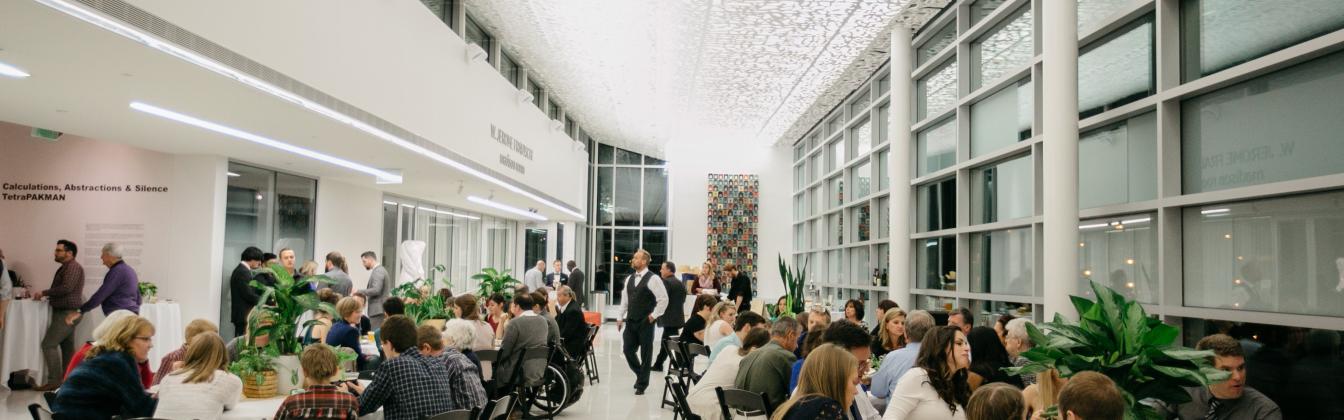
(120, 289)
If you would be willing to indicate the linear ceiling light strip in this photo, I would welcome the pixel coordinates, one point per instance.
(212, 65)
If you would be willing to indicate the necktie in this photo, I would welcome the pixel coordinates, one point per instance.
(1213, 409)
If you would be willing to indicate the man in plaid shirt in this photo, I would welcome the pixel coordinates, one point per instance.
(322, 400)
(409, 385)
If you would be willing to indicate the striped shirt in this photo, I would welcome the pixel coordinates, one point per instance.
(320, 402)
(410, 386)
(464, 380)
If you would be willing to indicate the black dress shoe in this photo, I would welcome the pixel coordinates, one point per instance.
(657, 368)
(639, 391)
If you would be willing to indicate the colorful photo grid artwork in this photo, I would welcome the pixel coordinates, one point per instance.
(733, 215)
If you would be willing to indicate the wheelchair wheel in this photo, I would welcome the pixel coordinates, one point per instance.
(552, 395)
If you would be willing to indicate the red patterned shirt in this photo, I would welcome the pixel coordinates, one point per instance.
(322, 402)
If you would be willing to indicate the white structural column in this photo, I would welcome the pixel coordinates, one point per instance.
(902, 206)
(1059, 180)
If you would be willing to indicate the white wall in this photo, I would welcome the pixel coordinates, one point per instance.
(349, 220)
(691, 159)
(197, 239)
(395, 60)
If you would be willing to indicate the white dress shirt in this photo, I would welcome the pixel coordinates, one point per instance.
(533, 279)
(655, 285)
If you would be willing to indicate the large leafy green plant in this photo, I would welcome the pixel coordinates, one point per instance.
(283, 304)
(793, 287)
(421, 302)
(494, 281)
(1115, 336)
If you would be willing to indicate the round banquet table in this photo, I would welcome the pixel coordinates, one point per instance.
(264, 408)
(167, 319)
(25, 324)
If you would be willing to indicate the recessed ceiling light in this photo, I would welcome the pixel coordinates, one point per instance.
(381, 175)
(507, 208)
(8, 70)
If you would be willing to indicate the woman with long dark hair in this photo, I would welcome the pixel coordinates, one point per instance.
(988, 358)
(935, 388)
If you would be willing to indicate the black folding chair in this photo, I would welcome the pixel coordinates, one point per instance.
(455, 415)
(50, 396)
(498, 409)
(590, 359)
(674, 372)
(39, 412)
(743, 403)
(694, 350)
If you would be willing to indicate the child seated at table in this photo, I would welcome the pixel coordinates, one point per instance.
(320, 399)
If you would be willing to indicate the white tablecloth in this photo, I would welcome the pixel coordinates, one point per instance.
(25, 324)
(167, 320)
(252, 409)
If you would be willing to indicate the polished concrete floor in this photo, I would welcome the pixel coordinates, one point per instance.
(611, 398)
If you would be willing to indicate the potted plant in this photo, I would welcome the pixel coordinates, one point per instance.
(423, 306)
(1114, 336)
(283, 304)
(255, 367)
(793, 288)
(494, 281)
(149, 292)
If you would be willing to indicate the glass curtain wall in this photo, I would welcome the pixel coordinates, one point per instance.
(419, 237)
(269, 210)
(629, 202)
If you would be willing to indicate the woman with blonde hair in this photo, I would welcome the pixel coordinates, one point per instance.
(720, 322)
(890, 333)
(1044, 393)
(708, 279)
(107, 383)
(825, 386)
(317, 333)
(722, 372)
(201, 389)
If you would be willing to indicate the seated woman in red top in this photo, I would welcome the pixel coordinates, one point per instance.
(146, 375)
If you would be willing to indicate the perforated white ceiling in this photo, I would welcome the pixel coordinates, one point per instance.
(635, 72)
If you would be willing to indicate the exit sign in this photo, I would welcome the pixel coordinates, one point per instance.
(46, 134)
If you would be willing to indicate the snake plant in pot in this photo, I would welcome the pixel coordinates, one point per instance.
(793, 287)
(283, 304)
(1116, 337)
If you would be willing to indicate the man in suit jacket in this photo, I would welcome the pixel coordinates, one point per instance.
(379, 288)
(242, 297)
(573, 328)
(645, 301)
(576, 282)
(557, 277)
(675, 317)
(336, 272)
(526, 330)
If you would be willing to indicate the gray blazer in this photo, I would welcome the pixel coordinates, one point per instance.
(379, 286)
(343, 284)
(524, 332)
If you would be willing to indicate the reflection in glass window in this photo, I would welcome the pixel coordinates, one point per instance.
(938, 91)
(1093, 13)
(604, 154)
(818, 200)
(1118, 164)
(1003, 191)
(627, 196)
(862, 222)
(883, 217)
(836, 123)
(1116, 71)
(837, 153)
(626, 157)
(861, 137)
(936, 266)
(1001, 262)
(1007, 48)
(799, 176)
(860, 266)
(937, 205)
(936, 44)
(606, 199)
(863, 180)
(1002, 119)
(980, 9)
(860, 104)
(987, 312)
(1120, 253)
(836, 234)
(882, 161)
(1278, 127)
(883, 123)
(537, 91)
(653, 161)
(1282, 255)
(477, 35)
(937, 148)
(655, 197)
(837, 186)
(799, 207)
(1223, 33)
(508, 67)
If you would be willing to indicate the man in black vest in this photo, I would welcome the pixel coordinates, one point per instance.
(675, 317)
(645, 301)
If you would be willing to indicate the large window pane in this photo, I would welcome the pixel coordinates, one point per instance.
(655, 197)
(814, 168)
(882, 176)
(861, 136)
(937, 204)
(1296, 367)
(1118, 164)
(295, 204)
(859, 106)
(937, 92)
(626, 157)
(627, 242)
(1002, 119)
(1007, 48)
(837, 191)
(508, 67)
(883, 217)
(1116, 71)
(655, 241)
(1092, 13)
(604, 264)
(477, 35)
(604, 154)
(1003, 191)
(987, 312)
(1222, 33)
(936, 44)
(836, 152)
(936, 266)
(1273, 255)
(818, 195)
(862, 222)
(836, 226)
(1001, 262)
(883, 123)
(862, 181)
(937, 147)
(980, 9)
(537, 91)
(606, 198)
(859, 268)
(1120, 253)
(627, 196)
(1279, 127)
